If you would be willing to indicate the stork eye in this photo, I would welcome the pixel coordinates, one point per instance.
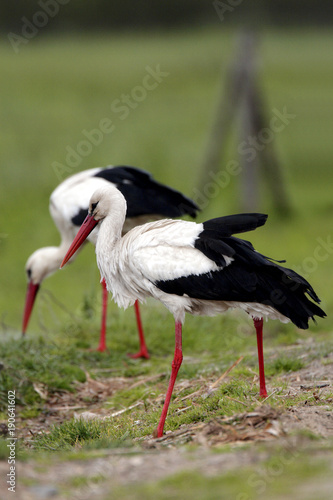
(93, 206)
(29, 273)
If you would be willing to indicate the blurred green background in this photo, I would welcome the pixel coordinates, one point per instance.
(66, 65)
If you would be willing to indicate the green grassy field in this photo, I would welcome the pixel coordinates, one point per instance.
(53, 91)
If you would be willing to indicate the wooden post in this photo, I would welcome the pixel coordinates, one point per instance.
(249, 162)
(269, 163)
(226, 110)
(240, 94)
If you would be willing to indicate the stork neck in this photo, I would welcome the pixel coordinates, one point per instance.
(45, 261)
(57, 255)
(110, 232)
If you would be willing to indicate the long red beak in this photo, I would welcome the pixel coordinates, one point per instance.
(87, 226)
(29, 303)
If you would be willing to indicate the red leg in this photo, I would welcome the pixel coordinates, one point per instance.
(258, 323)
(177, 361)
(143, 352)
(102, 340)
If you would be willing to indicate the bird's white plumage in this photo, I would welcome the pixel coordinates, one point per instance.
(162, 250)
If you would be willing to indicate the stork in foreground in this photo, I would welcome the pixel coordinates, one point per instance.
(146, 200)
(197, 268)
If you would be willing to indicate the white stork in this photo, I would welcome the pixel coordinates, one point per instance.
(146, 200)
(197, 268)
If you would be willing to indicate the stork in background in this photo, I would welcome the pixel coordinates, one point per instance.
(146, 200)
(197, 268)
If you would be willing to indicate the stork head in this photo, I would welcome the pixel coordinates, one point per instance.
(106, 201)
(40, 264)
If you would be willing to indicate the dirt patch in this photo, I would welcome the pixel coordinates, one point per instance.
(315, 414)
(316, 419)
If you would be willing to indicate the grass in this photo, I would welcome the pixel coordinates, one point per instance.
(284, 364)
(53, 91)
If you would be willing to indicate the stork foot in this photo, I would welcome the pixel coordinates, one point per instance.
(263, 394)
(100, 348)
(155, 434)
(143, 353)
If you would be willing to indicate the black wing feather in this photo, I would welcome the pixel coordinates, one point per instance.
(145, 196)
(80, 216)
(214, 240)
(234, 224)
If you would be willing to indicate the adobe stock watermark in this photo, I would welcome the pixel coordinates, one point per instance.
(271, 472)
(11, 412)
(31, 27)
(248, 149)
(225, 7)
(321, 253)
(121, 108)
